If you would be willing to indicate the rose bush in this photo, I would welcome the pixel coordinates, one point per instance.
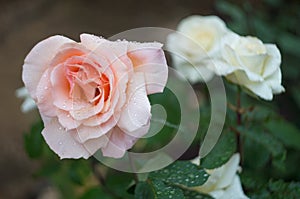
(93, 94)
(248, 62)
(223, 182)
(197, 41)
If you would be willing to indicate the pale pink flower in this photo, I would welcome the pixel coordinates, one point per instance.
(93, 94)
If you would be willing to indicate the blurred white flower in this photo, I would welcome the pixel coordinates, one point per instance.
(29, 103)
(223, 182)
(248, 62)
(197, 41)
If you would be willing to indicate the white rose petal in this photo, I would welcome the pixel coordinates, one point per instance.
(248, 62)
(29, 103)
(197, 41)
(223, 182)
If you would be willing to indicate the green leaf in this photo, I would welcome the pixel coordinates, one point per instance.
(181, 172)
(285, 131)
(78, 171)
(95, 193)
(195, 195)
(221, 153)
(269, 142)
(144, 191)
(33, 141)
(165, 191)
(157, 189)
(290, 43)
(119, 182)
(278, 190)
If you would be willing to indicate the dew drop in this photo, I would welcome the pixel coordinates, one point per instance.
(191, 175)
(46, 87)
(60, 128)
(68, 115)
(60, 143)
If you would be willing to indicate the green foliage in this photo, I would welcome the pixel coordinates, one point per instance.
(173, 182)
(95, 193)
(181, 172)
(33, 141)
(157, 189)
(221, 153)
(285, 131)
(278, 190)
(270, 144)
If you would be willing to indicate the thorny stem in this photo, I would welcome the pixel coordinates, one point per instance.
(239, 122)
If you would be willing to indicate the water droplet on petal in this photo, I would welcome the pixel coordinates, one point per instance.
(60, 143)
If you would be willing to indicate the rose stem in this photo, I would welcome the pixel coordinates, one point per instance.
(239, 122)
(101, 180)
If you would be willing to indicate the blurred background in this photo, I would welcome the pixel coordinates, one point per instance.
(24, 23)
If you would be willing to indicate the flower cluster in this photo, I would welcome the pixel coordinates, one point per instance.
(204, 46)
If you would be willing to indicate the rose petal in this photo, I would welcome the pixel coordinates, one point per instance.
(274, 81)
(95, 144)
(63, 142)
(85, 132)
(136, 112)
(149, 58)
(44, 96)
(228, 171)
(66, 120)
(233, 191)
(38, 59)
(274, 60)
(260, 89)
(119, 142)
(91, 41)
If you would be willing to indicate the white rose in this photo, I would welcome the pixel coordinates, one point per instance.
(29, 103)
(223, 182)
(197, 40)
(250, 63)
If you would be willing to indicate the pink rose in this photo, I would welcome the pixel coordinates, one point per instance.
(93, 94)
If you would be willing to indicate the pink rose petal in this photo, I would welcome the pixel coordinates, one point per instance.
(136, 112)
(38, 60)
(63, 142)
(149, 58)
